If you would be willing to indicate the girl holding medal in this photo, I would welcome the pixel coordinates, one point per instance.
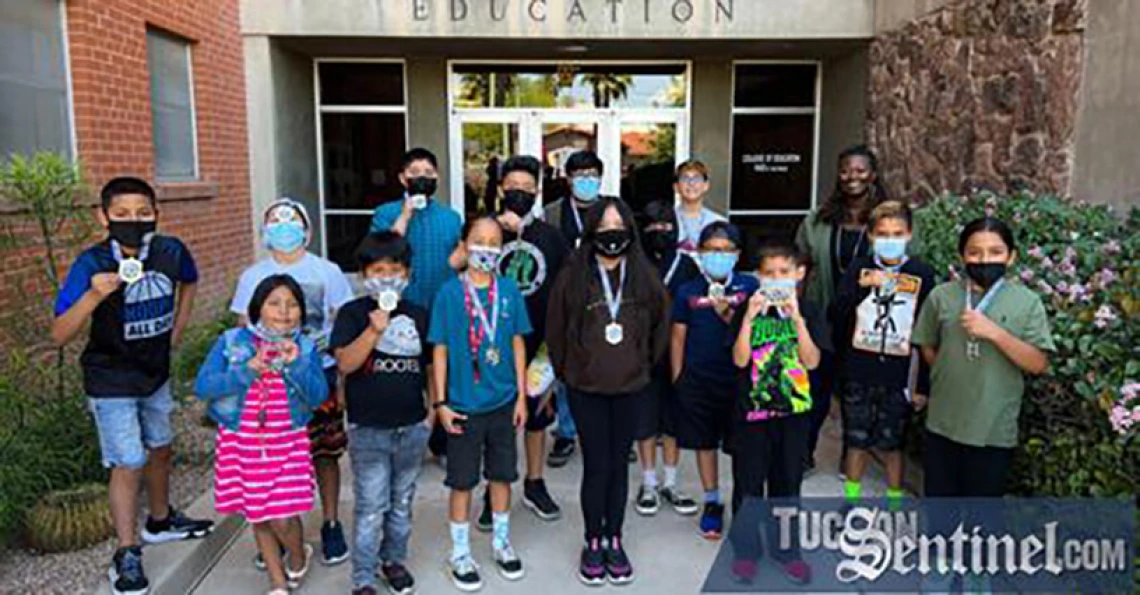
(479, 369)
(982, 335)
(262, 382)
(607, 326)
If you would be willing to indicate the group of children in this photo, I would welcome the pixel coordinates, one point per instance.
(652, 331)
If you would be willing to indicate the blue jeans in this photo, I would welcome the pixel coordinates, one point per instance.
(566, 427)
(130, 426)
(385, 466)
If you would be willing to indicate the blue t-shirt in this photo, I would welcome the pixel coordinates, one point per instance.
(433, 234)
(128, 354)
(450, 326)
(705, 352)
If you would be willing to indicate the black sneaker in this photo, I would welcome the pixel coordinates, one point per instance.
(538, 500)
(647, 503)
(334, 550)
(618, 569)
(126, 572)
(175, 527)
(398, 579)
(485, 522)
(680, 501)
(510, 566)
(592, 567)
(561, 452)
(465, 574)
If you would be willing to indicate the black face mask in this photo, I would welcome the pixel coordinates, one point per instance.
(130, 233)
(422, 185)
(613, 242)
(985, 274)
(519, 202)
(660, 241)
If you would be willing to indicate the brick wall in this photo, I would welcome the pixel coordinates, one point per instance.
(111, 90)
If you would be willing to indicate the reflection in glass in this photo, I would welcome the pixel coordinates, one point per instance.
(362, 83)
(648, 157)
(570, 86)
(559, 142)
(775, 85)
(343, 234)
(362, 159)
(485, 147)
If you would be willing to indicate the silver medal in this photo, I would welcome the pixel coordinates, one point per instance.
(890, 285)
(388, 300)
(493, 356)
(419, 202)
(130, 270)
(716, 291)
(973, 350)
(614, 333)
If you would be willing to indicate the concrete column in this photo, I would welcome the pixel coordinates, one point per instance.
(427, 115)
(843, 117)
(710, 126)
(262, 140)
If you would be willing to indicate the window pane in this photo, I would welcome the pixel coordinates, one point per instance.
(33, 80)
(758, 229)
(485, 147)
(570, 86)
(559, 142)
(343, 234)
(648, 158)
(172, 117)
(362, 159)
(775, 85)
(772, 159)
(362, 83)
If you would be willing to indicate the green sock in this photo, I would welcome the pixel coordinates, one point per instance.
(852, 490)
(895, 498)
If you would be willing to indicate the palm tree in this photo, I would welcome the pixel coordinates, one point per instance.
(608, 86)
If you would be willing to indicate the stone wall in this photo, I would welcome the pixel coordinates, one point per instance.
(979, 94)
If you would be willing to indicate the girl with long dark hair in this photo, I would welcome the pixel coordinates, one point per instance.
(607, 326)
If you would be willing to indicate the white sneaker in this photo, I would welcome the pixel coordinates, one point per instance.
(465, 573)
(510, 566)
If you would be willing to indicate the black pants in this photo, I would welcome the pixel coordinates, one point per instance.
(767, 463)
(822, 380)
(955, 470)
(605, 429)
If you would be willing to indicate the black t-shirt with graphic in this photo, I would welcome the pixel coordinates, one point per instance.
(534, 263)
(387, 391)
(128, 354)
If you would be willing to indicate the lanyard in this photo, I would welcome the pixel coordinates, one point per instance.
(475, 308)
(837, 245)
(891, 268)
(613, 302)
(577, 217)
(725, 285)
(986, 299)
(117, 250)
(673, 268)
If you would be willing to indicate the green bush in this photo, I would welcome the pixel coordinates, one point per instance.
(1079, 422)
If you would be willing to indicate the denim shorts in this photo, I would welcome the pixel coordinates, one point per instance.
(129, 426)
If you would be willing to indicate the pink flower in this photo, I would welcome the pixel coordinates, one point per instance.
(1027, 275)
(1046, 262)
(1067, 267)
(1044, 287)
(1078, 292)
(1036, 252)
(1129, 391)
(1111, 247)
(1122, 419)
(1070, 253)
(1062, 287)
(1105, 316)
(1107, 276)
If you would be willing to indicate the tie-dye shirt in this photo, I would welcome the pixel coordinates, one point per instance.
(774, 383)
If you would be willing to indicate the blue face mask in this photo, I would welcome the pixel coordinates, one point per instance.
(586, 188)
(890, 248)
(285, 236)
(718, 265)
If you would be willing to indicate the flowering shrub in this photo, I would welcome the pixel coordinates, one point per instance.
(1079, 422)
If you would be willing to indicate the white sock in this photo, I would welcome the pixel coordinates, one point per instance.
(460, 545)
(649, 478)
(670, 476)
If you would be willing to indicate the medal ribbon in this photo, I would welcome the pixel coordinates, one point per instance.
(613, 302)
(986, 299)
(144, 251)
(673, 268)
(475, 310)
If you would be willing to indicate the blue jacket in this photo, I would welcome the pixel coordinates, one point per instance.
(225, 378)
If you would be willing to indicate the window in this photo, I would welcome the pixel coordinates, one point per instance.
(34, 113)
(362, 131)
(775, 118)
(172, 107)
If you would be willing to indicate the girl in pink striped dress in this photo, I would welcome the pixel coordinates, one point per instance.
(262, 383)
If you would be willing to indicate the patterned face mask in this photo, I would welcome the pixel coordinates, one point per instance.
(484, 258)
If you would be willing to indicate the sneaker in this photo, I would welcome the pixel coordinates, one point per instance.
(465, 574)
(294, 577)
(126, 572)
(510, 566)
(334, 550)
(618, 569)
(647, 501)
(592, 568)
(712, 521)
(744, 571)
(259, 560)
(538, 500)
(485, 522)
(798, 572)
(364, 590)
(175, 527)
(561, 452)
(398, 579)
(680, 501)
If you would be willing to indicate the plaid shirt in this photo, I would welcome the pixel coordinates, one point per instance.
(433, 234)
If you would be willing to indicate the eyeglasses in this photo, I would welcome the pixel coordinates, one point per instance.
(691, 180)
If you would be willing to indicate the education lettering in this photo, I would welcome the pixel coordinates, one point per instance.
(576, 11)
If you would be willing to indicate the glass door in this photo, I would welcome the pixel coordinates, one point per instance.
(484, 141)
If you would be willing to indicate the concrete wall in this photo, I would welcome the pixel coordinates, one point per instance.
(711, 125)
(1108, 123)
(892, 14)
(427, 114)
(843, 120)
(295, 131)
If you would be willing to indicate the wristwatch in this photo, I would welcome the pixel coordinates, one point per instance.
(438, 404)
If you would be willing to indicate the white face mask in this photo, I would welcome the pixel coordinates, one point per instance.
(484, 258)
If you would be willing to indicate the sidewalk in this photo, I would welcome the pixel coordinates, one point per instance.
(669, 555)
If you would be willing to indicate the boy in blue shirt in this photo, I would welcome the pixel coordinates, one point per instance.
(479, 369)
(137, 289)
(703, 372)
